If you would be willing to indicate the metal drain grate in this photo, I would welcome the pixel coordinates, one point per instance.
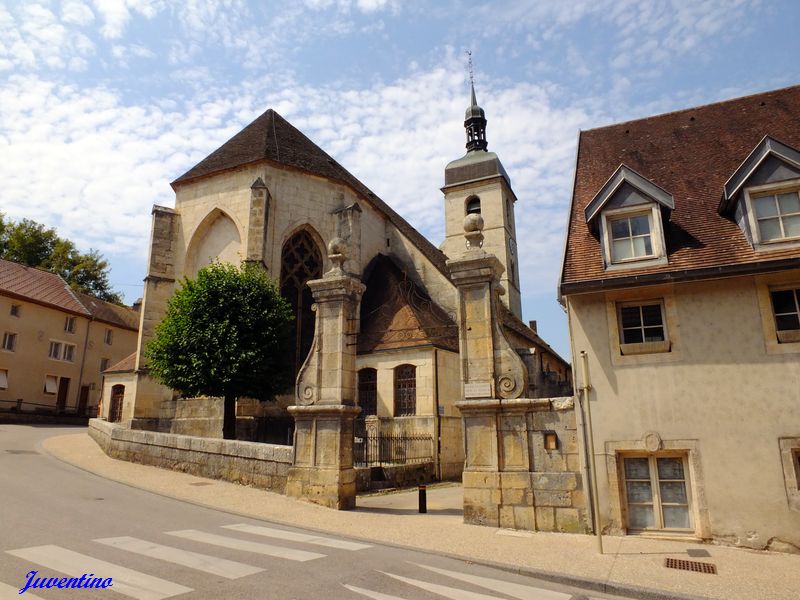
(690, 565)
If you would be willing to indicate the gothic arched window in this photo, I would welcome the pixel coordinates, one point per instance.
(405, 390)
(301, 261)
(368, 392)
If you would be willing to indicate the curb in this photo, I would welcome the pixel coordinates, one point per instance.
(587, 583)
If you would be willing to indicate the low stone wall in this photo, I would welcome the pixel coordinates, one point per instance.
(264, 466)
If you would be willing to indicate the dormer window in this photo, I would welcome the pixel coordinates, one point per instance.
(627, 215)
(762, 195)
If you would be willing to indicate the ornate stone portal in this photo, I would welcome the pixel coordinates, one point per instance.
(322, 469)
(515, 476)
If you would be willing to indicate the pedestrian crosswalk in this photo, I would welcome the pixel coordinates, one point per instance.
(54, 561)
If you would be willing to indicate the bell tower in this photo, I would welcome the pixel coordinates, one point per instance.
(478, 183)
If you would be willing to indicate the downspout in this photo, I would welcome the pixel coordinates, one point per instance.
(83, 364)
(437, 416)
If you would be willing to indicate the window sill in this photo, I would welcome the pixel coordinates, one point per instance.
(637, 263)
(789, 336)
(644, 348)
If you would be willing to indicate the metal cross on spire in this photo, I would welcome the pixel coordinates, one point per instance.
(469, 67)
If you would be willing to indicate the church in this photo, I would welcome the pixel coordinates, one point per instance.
(270, 196)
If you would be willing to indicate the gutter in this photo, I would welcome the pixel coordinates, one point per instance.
(679, 276)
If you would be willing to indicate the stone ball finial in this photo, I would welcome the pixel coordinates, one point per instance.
(337, 246)
(473, 222)
(337, 252)
(473, 231)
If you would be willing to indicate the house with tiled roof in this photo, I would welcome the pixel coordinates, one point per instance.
(681, 279)
(56, 342)
(272, 197)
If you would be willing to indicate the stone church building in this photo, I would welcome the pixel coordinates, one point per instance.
(270, 196)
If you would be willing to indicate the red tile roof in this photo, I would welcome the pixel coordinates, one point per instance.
(126, 365)
(113, 314)
(690, 154)
(40, 286)
(44, 287)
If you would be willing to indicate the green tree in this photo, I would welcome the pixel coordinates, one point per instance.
(32, 244)
(225, 333)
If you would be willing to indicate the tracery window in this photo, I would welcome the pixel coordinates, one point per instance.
(368, 392)
(301, 261)
(405, 391)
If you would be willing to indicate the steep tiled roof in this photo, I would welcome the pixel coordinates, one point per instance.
(113, 314)
(126, 365)
(37, 285)
(271, 137)
(690, 154)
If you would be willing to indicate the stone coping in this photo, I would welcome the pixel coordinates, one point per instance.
(234, 448)
(536, 404)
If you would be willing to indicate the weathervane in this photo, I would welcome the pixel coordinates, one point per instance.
(469, 67)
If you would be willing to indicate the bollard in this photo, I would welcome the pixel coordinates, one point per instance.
(423, 499)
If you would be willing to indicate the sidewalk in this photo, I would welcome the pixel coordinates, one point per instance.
(629, 563)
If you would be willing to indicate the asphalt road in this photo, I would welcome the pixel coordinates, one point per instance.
(63, 522)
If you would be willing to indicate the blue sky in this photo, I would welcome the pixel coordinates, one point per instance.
(104, 102)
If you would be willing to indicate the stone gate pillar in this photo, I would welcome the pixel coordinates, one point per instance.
(497, 478)
(322, 469)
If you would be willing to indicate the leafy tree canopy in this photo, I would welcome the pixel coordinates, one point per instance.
(32, 244)
(225, 333)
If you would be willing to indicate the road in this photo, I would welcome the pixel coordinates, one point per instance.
(63, 522)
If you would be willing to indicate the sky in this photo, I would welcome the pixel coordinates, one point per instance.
(104, 102)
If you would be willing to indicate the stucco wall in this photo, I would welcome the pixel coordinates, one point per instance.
(724, 395)
(248, 463)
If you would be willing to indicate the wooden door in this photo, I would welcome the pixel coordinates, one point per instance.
(83, 400)
(63, 389)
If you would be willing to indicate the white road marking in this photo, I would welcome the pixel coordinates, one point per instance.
(371, 594)
(125, 581)
(515, 590)
(247, 546)
(292, 536)
(194, 560)
(443, 590)
(7, 592)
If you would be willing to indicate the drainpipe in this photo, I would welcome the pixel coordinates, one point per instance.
(585, 387)
(437, 417)
(83, 363)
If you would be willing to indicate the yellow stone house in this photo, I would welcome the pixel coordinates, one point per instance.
(681, 278)
(56, 342)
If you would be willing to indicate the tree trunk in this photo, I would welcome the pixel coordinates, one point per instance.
(229, 418)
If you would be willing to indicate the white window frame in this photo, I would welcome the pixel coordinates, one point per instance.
(51, 391)
(69, 324)
(770, 189)
(643, 347)
(653, 212)
(9, 341)
(656, 492)
(3, 379)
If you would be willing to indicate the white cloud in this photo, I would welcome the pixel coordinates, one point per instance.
(76, 12)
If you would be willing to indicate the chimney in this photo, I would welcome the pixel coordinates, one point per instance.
(137, 305)
(532, 325)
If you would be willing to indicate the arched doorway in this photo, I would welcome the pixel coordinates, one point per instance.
(115, 406)
(301, 261)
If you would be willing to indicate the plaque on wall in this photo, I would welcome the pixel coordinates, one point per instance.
(478, 390)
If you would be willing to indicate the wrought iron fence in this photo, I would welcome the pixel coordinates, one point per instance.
(384, 449)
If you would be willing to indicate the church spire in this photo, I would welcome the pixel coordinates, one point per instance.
(474, 118)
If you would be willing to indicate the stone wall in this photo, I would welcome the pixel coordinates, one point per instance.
(511, 479)
(248, 463)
